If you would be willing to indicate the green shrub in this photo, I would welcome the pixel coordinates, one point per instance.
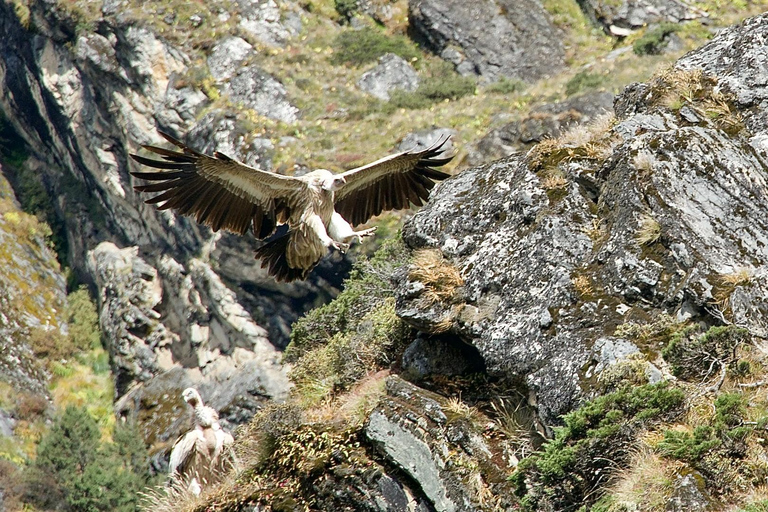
(83, 320)
(366, 288)
(652, 42)
(760, 506)
(358, 47)
(505, 86)
(711, 448)
(346, 8)
(594, 440)
(695, 356)
(582, 81)
(445, 86)
(689, 447)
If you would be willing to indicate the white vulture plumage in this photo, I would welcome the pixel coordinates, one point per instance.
(319, 208)
(202, 455)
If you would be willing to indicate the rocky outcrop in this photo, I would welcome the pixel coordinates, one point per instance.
(180, 320)
(415, 431)
(392, 73)
(618, 18)
(544, 121)
(271, 23)
(489, 38)
(653, 214)
(256, 89)
(80, 102)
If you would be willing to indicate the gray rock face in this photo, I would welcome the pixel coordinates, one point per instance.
(654, 227)
(411, 430)
(392, 73)
(181, 320)
(548, 120)
(689, 495)
(257, 89)
(271, 22)
(82, 104)
(226, 57)
(489, 38)
(633, 14)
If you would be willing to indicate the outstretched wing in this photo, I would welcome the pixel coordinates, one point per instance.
(391, 183)
(219, 191)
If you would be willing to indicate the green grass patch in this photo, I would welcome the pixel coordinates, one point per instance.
(584, 81)
(358, 47)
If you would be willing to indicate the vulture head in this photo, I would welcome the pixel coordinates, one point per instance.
(192, 397)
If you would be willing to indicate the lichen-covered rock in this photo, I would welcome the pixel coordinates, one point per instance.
(227, 56)
(270, 22)
(617, 17)
(489, 38)
(660, 213)
(392, 73)
(413, 430)
(258, 90)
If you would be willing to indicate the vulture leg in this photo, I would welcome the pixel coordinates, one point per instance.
(341, 231)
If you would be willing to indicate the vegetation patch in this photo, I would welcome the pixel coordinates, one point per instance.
(594, 441)
(719, 449)
(584, 81)
(445, 86)
(654, 40)
(358, 47)
(74, 466)
(696, 355)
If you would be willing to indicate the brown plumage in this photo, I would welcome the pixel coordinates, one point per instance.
(319, 208)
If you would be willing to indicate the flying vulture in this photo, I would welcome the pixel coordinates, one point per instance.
(202, 455)
(319, 208)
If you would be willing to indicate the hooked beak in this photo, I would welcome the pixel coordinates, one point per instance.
(339, 182)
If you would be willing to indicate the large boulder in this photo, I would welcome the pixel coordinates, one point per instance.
(391, 73)
(256, 89)
(489, 38)
(657, 213)
(618, 18)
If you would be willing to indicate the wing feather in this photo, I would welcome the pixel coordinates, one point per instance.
(391, 183)
(217, 190)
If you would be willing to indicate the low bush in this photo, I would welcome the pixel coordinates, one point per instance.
(594, 440)
(358, 47)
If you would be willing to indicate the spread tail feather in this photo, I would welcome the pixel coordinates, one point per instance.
(272, 256)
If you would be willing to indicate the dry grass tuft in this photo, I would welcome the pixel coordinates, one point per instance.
(440, 278)
(643, 162)
(649, 231)
(582, 285)
(593, 141)
(554, 181)
(171, 498)
(646, 483)
(517, 421)
(455, 409)
(725, 285)
(597, 230)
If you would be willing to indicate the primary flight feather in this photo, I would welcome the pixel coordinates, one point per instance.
(319, 208)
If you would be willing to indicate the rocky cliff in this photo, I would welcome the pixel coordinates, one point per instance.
(594, 307)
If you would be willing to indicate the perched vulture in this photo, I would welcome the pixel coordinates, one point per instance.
(319, 208)
(201, 456)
